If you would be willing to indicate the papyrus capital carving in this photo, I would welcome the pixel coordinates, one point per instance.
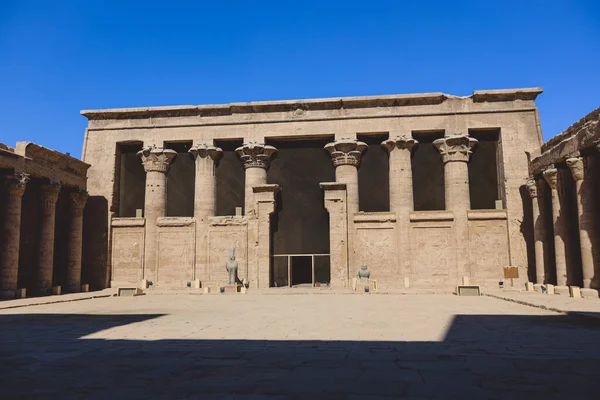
(157, 159)
(78, 200)
(399, 142)
(576, 166)
(256, 155)
(456, 147)
(204, 150)
(551, 176)
(16, 184)
(346, 151)
(49, 194)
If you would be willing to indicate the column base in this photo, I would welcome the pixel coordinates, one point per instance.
(589, 293)
(562, 290)
(537, 287)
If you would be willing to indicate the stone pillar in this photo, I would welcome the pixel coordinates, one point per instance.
(346, 155)
(401, 194)
(401, 189)
(259, 234)
(45, 256)
(206, 158)
(156, 162)
(536, 192)
(560, 228)
(581, 172)
(335, 203)
(78, 200)
(9, 257)
(456, 151)
(256, 158)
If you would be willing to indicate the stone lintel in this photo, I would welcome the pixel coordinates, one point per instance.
(269, 188)
(227, 220)
(375, 217)
(175, 221)
(506, 94)
(483, 215)
(332, 186)
(431, 216)
(128, 221)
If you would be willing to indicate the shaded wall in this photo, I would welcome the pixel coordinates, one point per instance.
(132, 179)
(373, 176)
(180, 181)
(301, 222)
(30, 214)
(428, 173)
(483, 170)
(231, 178)
(61, 238)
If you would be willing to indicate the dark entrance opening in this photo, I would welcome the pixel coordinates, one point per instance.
(131, 179)
(428, 173)
(373, 175)
(180, 181)
(230, 178)
(484, 187)
(300, 225)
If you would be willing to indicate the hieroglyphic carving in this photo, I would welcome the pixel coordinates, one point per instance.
(176, 249)
(488, 243)
(127, 254)
(376, 247)
(221, 239)
(434, 254)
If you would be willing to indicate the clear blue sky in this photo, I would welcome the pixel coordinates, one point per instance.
(57, 58)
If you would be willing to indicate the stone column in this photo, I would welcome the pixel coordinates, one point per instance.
(9, 257)
(456, 151)
(401, 190)
(256, 158)
(206, 158)
(346, 155)
(260, 234)
(581, 172)
(536, 192)
(78, 200)
(401, 194)
(156, 162)
(560, 228)
(335, 203)
(45, 257)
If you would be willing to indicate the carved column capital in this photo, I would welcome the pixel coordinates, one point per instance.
(16, 184)
(576, 166)
(536, 187)
(456, 148)
(551, 176)
(256, 155)
(204, 150)
(78, 200)
(399, 142)
(346, 151)
(157, 159)
(49, 194)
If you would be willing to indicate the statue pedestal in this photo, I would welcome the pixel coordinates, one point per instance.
(232, 288)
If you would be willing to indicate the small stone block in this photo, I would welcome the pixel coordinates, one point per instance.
(197, 284)
(465, 280)
(549, 289)
(129, 291)
(238, 211)
(56, 290)
(354, 284)
(529, 286)
(561, 290)
(537, 287)
(232, 288)
(589, 293)
(139, 213)
(85, 287)
(206, 290)
(406, 282)
(463, 290)
(243, 290)
(575, 292)
(144, 283)
(21, 293)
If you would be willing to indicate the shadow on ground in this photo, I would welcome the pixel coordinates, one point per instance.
(482, 356)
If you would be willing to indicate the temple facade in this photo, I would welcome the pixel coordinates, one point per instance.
(427, 190)
(42, 200)
(565, 194)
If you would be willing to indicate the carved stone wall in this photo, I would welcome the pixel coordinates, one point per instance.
(488, 244)
(223, 234)
(127, 251)
(176, 251)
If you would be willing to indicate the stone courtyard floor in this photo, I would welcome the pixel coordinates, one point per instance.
(296, 346)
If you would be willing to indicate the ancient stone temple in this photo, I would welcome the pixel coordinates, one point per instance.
(427, 190)
(565, 194)
(42, 200)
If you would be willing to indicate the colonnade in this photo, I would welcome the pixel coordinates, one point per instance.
(16, 186)
(581, 169)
